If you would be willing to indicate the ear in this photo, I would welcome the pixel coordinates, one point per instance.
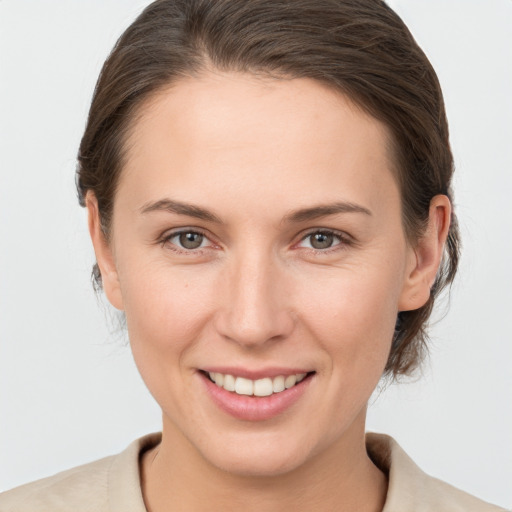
(425, 257)
(104, 254)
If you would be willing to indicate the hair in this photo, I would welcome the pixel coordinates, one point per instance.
(360, 48)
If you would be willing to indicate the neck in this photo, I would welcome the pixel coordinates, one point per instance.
(176, 477)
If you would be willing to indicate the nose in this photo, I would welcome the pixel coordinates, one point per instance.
(256, 303)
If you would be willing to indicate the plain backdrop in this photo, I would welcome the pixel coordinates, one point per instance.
(69, 391)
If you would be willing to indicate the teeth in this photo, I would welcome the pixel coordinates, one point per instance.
(263, 387)
(290, 381)
(244, 386)
(229, 383)
(218, 378)
(278, 384)
(260, 387)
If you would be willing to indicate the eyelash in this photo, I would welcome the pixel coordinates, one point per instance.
(344, 241)
(176, 248)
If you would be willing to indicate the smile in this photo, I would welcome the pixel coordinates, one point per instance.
(260, 398)
(260, 387)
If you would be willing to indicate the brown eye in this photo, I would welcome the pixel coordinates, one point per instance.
(190, 240)
(321, 240)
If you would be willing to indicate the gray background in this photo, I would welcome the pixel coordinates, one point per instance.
(69, 391)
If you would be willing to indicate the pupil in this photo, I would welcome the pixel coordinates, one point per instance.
(191, 240)
(322, 240)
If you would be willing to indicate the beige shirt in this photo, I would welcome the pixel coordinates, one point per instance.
(112, 484)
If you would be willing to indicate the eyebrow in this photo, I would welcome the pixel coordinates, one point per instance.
(323, 210)
(171, 206)
(302, 215)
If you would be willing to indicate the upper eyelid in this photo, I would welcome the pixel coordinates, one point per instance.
(340, 234)
(345, 241)
(169, 234)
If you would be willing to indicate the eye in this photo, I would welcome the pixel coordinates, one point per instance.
(321, 240)
(188, 240)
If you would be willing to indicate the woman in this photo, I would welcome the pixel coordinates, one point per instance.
(268, 189)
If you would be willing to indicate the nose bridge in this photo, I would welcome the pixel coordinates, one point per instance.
(256, 309)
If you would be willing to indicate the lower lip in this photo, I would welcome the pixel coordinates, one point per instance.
(254, 408)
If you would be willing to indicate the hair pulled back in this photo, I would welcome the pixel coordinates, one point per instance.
(358, 47)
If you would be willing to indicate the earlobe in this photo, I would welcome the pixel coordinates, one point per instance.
(104, 255)
(426, 256)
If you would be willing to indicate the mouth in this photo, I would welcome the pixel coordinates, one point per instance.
(255, 399)
(266, 386)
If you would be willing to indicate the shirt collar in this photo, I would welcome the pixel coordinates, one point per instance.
(409, 488)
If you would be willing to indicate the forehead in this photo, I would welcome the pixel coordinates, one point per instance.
(237, 131)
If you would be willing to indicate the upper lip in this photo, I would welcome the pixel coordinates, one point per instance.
(255, 374)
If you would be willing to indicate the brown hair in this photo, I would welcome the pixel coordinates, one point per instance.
(358, 47)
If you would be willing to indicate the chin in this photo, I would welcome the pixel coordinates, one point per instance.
(261, 464)
(257, 458)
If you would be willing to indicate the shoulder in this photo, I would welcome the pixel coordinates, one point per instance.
(111, 483)
(64, 491)
(409, 488)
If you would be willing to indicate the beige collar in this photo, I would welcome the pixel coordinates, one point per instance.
(409, 488)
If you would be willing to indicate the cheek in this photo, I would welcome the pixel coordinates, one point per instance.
(166, 314)
(352, 313)
(166, 308)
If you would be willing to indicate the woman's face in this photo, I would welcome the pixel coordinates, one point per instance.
(257, 233)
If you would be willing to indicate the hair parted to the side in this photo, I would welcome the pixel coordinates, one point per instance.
(358, 47)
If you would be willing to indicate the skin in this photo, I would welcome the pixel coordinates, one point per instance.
(256, 293)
